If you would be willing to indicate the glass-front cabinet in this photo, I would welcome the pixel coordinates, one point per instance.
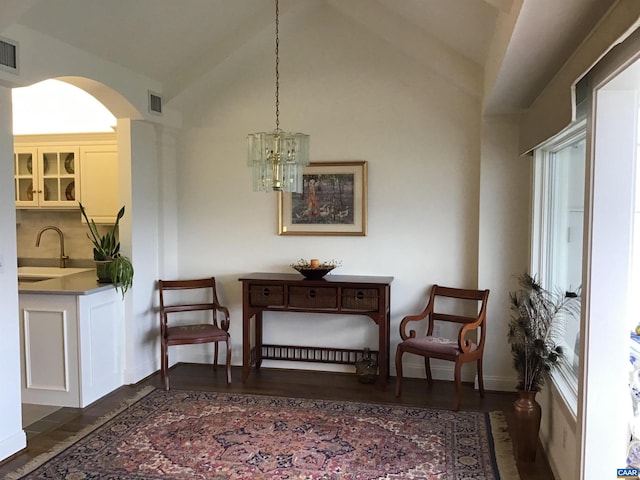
(46, 177)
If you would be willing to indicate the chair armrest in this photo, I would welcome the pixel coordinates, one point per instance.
(412, 318)
(225, 322)
(465, 344)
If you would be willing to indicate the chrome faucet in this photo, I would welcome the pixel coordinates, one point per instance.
(63, 257)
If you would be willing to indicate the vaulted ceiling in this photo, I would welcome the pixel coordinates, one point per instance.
(177, 41)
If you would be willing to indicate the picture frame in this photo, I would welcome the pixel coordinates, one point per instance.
(333, 201)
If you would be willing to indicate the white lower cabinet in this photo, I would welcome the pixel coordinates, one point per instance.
(71, 347)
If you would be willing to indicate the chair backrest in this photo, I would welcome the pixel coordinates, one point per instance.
(468, 308)
(196, 295)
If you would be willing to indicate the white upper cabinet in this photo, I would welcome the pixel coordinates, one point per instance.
(58, 171)
(46, 176)
(99, 179)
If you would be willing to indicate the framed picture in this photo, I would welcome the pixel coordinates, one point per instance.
(333, 201)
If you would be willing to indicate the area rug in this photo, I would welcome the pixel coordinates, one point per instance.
(207, 435)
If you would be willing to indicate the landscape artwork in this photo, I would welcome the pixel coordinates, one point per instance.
(326, 199)
(333, 201)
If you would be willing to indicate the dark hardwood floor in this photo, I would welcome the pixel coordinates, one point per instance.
(58, 426)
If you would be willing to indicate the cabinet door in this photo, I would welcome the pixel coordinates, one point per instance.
(24, 170)
(49, 350)
(101, 344)
(57, 171)
(45, 177)
(99, 180)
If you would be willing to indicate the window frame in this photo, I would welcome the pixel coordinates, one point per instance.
(564, 378)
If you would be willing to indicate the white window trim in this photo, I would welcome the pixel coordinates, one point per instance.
(563, 378)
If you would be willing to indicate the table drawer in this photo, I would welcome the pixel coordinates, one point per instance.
(313, 297)
(266, 295)
(360, 299)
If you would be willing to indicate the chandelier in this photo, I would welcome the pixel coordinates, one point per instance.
(277, 157)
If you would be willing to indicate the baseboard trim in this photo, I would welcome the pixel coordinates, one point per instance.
(134, 375)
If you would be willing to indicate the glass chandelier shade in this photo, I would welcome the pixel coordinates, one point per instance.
(277, 157)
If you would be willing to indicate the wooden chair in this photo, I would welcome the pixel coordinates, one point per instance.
(193, 296)
(461, 350)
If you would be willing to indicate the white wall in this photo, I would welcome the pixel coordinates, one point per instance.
(505, 184)
(359, 99)
(50, 58)
(559, 435)
(12, 438)
(139, 233)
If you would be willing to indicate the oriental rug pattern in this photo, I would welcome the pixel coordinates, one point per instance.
(208, 435)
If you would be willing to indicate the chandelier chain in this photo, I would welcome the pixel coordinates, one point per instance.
(277, 69)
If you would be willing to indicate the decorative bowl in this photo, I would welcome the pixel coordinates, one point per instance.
(313, 273)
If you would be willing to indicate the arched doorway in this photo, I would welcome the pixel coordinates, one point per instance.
(71, 218)
(58, 117)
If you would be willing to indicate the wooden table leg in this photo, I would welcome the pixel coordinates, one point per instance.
(246, 345)
(383, 352)
(258, 340)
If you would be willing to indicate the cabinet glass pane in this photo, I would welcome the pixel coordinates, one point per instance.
(24, 164)
(68, 166)
(68, 189)
(50, 164)
(25, 190)
(51, 190)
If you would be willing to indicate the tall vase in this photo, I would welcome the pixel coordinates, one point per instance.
(528, 415)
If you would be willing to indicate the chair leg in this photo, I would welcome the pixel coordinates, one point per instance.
(457, 381)
(399, 353)
(215, 355)
(427, 369)
(164, 364)
(228, 361)
(480, 379)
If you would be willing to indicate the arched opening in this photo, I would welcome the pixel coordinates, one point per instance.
(56, 107)
(65, 113)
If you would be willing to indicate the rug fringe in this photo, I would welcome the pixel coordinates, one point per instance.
(42, 458)
(503, 447)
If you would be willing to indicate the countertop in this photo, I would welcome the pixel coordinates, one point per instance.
(83, 283)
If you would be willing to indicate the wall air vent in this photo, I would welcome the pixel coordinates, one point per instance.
(8, 55)
(155, 103)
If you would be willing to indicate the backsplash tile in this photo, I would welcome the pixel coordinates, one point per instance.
(76, 243)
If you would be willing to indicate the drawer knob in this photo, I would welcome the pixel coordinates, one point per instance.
(312, 293)
(266, 292)
(359, 295)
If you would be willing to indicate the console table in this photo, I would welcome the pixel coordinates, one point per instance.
(333, 294)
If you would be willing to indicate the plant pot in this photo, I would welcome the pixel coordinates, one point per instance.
(102, 271)
(528, 415)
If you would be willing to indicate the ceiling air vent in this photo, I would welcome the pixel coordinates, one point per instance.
(8, 55)
(155, 103)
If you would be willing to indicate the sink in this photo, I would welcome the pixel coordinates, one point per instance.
(35, 274)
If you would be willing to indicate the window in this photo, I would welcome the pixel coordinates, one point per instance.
(558, 236)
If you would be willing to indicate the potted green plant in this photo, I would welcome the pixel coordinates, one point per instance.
(111, 265)
(535, 331)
